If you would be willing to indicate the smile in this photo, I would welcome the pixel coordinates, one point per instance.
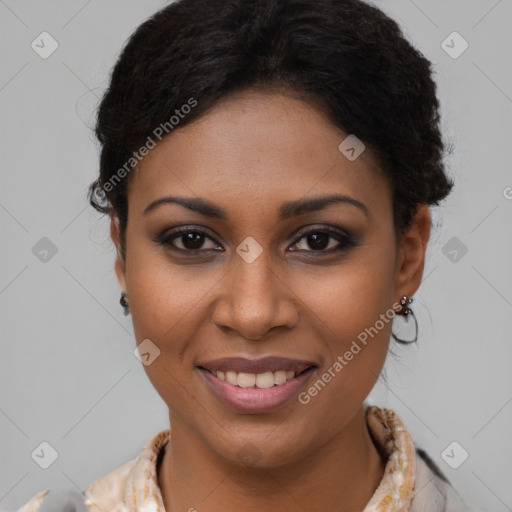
(255, 393)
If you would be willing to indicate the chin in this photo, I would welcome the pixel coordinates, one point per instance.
(267, 448)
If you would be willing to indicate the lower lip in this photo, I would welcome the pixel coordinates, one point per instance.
(256, 400)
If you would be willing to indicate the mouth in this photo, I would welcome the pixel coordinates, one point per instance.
(262, 390)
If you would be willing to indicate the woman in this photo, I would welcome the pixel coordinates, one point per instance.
(268, 168)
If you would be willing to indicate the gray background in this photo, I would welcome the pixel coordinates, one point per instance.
(68, 373)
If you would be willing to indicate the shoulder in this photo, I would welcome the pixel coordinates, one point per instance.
(105, 493)
(112, 491)
(432, 490)
(411, 477)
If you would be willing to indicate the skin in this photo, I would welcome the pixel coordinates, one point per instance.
(249, 154)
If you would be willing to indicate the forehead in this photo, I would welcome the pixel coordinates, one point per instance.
(257, 148)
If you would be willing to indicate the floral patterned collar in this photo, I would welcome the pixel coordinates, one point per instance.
(396, 489)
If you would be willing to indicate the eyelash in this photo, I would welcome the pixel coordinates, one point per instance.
(346, 241)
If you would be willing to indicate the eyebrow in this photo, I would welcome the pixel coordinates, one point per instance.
(286, 210)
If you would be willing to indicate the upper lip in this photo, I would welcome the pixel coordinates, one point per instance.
(260, 365)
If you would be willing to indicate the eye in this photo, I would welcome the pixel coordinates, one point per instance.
(321, 239)
(187, 239)
(326, 240)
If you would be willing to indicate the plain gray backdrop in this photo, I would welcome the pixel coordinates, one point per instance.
(68, 373)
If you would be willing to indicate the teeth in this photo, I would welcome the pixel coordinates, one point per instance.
(232, 378)
(281, 376)
(260, 380)
(264, 380)
(246, 380)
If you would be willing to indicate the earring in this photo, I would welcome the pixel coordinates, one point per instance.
(124, 302)
(406, 311)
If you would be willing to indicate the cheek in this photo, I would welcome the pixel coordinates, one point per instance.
(351, 296)
(165, 303)
(162, 299)
(161, 292)
(352, 309)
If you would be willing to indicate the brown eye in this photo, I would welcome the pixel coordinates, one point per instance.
(324, 241)
(189, 241)
(318, 241)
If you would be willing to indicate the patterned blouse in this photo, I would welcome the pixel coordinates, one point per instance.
(411, 481)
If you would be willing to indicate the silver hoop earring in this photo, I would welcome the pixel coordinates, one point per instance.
(124, 302)
(407, 312)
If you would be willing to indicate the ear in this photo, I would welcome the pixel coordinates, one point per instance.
(119, 266)
(411, 253)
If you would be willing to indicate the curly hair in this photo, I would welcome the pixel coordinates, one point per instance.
(345, 56)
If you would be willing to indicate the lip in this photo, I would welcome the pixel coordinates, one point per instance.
(256, 400)
(260, 365)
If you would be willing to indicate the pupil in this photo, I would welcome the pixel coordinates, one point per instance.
(192, 240)
(318, 240)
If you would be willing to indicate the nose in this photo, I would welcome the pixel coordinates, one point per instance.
(255, 299)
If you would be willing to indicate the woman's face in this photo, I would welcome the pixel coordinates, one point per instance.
(266, 268)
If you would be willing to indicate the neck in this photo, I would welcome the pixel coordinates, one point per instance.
(340, 476)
